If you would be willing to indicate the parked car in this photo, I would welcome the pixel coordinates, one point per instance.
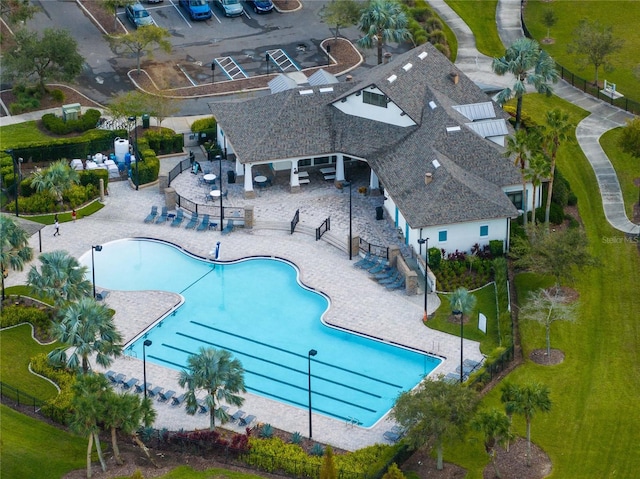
(155, 1)
(138, 15)
(198, 9)
(231, 8)
(261, 6)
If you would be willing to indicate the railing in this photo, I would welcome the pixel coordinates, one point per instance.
(20, 397)
(184, 165)
(374, 249)
(213, 210)
(295, 221)
(323, 228)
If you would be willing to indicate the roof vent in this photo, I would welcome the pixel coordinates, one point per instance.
(392, 78)
(306, 92)
(432, 105)
(422, 55)
(454, 77)
(428, 178)
(436, 164)
(326, 89)
(407, 67)
(451, 129)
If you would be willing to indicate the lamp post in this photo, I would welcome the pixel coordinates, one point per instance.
(457, 312)
(426, 275)
(312, 352)
(221, 207)
(213, 71)
(266, 59)
(134, 119)
(350, 219)
(16, 176)
(328, 55)
(97, 248)
(147, 342)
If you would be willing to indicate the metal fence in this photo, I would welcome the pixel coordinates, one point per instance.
(323, 228)
(20, 397)
(374, 249)
(184, 165)
(295, 221)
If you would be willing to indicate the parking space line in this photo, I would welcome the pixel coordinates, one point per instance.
(177, 7)
(187, 75)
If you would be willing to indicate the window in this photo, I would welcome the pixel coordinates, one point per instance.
(516, 198)
(442, 236)
(305, 162)
(484, 230)
(374, 99)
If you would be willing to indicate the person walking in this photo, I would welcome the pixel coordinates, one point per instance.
(56, 225)
(74, 215)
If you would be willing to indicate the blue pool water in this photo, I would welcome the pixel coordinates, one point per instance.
(257, 309)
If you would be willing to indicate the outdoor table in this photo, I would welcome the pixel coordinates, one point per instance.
(261, 180)
(327, 171)
(303, 174)
(215, 193)
(209, 178)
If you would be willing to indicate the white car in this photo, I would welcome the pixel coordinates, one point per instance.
(231, 8)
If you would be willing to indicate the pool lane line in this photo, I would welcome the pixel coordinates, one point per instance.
(346, 386)
(317, 393)
(355, 373)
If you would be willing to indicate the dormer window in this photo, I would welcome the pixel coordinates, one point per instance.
(374, 99)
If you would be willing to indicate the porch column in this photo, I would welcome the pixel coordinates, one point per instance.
(294, 179)
(239, 167)
(374, 184)
(340, 168)
(248, 182)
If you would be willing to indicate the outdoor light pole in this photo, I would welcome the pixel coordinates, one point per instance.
(213, 72)
(328, 56)
(426, 275)
(134, 119)
(147, 342)
(16, 176)
(461, 344)
(97, 248)
(312, 352)
(350, 220)
(266, 59)
(221, 207)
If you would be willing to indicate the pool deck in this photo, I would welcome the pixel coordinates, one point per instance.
(357, 302)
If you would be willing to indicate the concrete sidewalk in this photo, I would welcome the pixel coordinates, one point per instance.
(603, 118)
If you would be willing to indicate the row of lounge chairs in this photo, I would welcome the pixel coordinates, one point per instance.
(394, 434)
(388, 276)
(195, 222)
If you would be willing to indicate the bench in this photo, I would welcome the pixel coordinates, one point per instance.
(304, 181)
(329, 177)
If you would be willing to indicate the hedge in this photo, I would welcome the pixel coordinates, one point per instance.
(59, 126)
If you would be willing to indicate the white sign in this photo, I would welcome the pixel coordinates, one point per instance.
(482, 323)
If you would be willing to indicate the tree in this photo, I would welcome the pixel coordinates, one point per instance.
(87, 406)
(112, 6)
(495, 427)
(393, 472)
(549, 19)
(340, 13)
(383, 21)
(462, 301)
(54, 57)
(558, 129)
(17, 11)
(328, 467)
(222, 377)
(434, 412)
(520, 146)
(14, 247)
(509, 397)
(547, 307)
(538, 169)
(527, 62)
(527, 401)
(596, 43)
(56, 179)
(630, 138)
(86, 326)
(60, 277)
(162, 106)
(142, 40)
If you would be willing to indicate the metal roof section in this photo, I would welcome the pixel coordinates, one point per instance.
(489, 128)
(476, 111)
(282, 83)
(322, 77)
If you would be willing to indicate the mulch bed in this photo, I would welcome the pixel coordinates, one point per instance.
(540, 356)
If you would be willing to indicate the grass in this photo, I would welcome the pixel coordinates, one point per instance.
(186, 472)
(48, 219)
(486, 304)
(627, 168)
(481, 18)
(34, 449)
(594, 391)
(17, 347)
(624, 16)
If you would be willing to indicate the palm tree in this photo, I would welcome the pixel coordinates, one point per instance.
(509, 397)
(557, 129)
(86, 326)
(530, 399)
(14, 247)
(60, 277)
(526, 61)
(56, 179)
(539, 169)
(462, 302)
(381, 22)
(495, 426)
(214, 371)
(519, 146)
(87, 404)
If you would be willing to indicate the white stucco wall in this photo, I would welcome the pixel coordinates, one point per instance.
(392, 114)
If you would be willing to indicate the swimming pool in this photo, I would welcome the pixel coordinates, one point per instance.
(257, 309)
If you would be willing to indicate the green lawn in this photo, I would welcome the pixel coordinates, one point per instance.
(186, 472)
(623, 16)
(17, 347)
(35, 450)
(627, 168)
(595, 391)
(481, 18)
(65, 217)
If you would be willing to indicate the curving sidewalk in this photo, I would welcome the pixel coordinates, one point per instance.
(603, 116)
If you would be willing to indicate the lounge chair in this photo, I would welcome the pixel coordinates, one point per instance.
(366, 262)
(229, 228)
(204, 225)
(130, 383)
(381, 267)
(140, 387)
(202, 406)
(390, 273)
(102, 295)
(391, 436)
(452, 378)
(177, 221)
(239, 414)
(163, 216)
(247, 420)
(154, 392)
(152, 215)
(397, 284)
(110, 374)
(193, 222)
(178, 400)
(390, 279)
(165, 396)
(117, 378)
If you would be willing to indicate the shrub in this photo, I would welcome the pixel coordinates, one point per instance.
(39, 318)
(58, 408)
(149, 168)
(435, 258)
(572, 199)
(57, 95)
(41, 202)
(556, 214)
(496, 248)
(92, 177)
(163, 141)
(296, 438)
(203, 124)
(266, 431)
(561, 189)
(76, 195)
(59, 126)
(317, 450)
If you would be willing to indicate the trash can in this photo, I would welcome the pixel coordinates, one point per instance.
(231, 176)
(379, 212)
(145, 120)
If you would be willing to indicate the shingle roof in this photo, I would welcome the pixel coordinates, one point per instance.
(468, 185)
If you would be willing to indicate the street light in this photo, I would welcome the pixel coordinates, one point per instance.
(426, 275)
(312, 352)
(17, 175)
(221, 207)
(456, 312)
(97, 248)
(328, 55)
(134, 119)
(147, 342)
(350, 220)
(266, 59)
